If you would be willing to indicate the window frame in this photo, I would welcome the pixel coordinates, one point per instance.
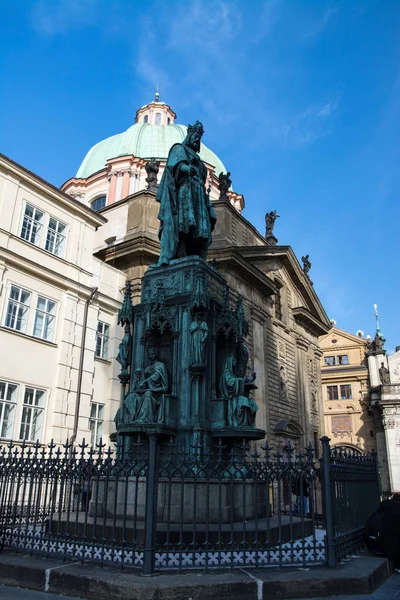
(19, 305)
(102, 336)
(3, 403)
(349, 389)
(103, 196)
(43, 240)
(56, 235)
(332, 387)
(31, 221)
(33, 409)
(96, 422)
(47, 315)
(329, 364)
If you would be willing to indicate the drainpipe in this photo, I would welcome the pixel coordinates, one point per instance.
(80, 372)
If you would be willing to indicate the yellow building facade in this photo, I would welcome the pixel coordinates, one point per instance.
(348, 418)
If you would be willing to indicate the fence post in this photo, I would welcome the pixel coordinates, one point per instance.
(327, 496)
(151, 505)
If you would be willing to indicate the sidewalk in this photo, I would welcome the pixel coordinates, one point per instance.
(360, 575)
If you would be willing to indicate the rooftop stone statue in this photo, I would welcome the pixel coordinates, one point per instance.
(186, 215)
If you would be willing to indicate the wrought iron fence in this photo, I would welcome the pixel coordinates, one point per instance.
(177, 510)
(164, 508)
(351, 495)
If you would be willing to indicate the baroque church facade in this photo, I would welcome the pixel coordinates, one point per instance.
(65, 257)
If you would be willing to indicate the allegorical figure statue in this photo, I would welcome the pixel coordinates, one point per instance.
(199, 333)
(241, 410)
(224, 184)
(270, 219)
(125, 350)
(283, 391)
(306, 263)
(186, 215)
(384, 374)
(152, 168)
(144, 402)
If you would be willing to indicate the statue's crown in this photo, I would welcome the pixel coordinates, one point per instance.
(196, 128)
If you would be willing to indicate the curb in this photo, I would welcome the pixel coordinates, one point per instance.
(360, 575)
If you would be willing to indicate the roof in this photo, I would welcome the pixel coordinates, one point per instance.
(143, 141)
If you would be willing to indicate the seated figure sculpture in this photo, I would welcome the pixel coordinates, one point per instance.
(241, 410)
(144, 402)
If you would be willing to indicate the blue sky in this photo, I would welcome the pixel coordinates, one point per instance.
(299, 98)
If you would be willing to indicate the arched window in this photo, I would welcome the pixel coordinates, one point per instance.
(158, 119)
(168, 121)
(146, 119)
(99, 203)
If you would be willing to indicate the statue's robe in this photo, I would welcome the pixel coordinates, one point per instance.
(185, 208)
(146, 405)
(241, 410)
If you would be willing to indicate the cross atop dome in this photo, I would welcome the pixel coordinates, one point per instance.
(156, 112)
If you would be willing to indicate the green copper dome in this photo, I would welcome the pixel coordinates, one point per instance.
(144, 141)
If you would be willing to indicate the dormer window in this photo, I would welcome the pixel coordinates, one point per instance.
(146, 119)
(158, 119)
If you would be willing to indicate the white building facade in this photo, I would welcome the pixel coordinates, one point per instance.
(49, 388)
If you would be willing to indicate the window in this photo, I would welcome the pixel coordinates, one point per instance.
(32, 415)
(168, 121)
(146, 119)
(32, 224)
(99, 203)
(343, 359)
(329, 361)
(96, 422)
(44, 319)
(55, 238)
(278, 305)
(17, 309)
(345, 392)
(102, 338)
(332, 392)
(158, 119)
(8, 403)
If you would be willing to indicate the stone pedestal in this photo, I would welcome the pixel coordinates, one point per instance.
(181, 501)
(171, 298)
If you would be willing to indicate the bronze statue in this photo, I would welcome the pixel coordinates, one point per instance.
(241, 410)
(199, 333)
(125, 350)
(384, 374)
(270, 219)
(224, 185)
(186, 214)
(152, 168)
(144, 402)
